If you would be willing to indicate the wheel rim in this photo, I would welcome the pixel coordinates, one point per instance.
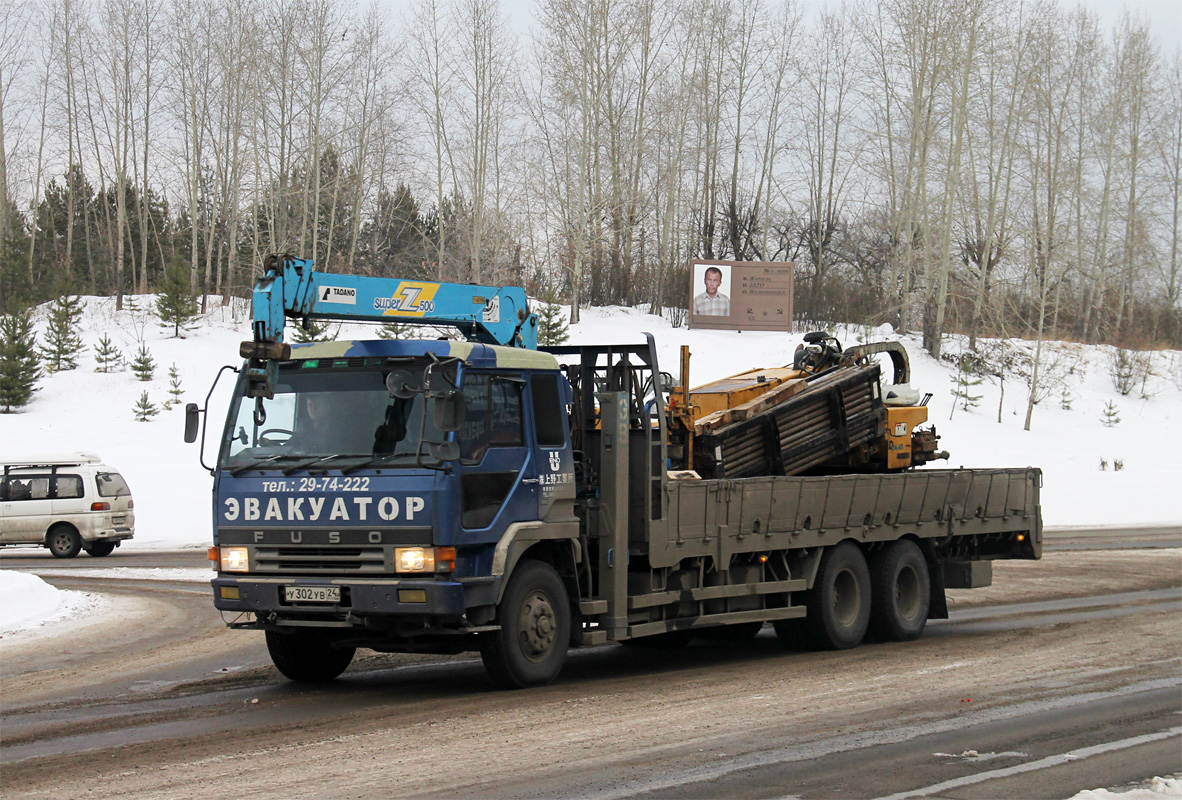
(847, 599)
(537, 626)
(61, 542)
(907, 599)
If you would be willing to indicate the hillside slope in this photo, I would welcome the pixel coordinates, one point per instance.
(84, 410)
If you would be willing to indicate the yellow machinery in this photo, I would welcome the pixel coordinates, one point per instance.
(825, 413)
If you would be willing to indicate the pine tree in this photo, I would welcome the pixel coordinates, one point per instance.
(174, 387)
(62, 343)
(315, 332)
(143, 366)
(392, 330)
(967, 378)
(106, 356)
(1111, 415)
(175, 305)
(145, 409)
(552, 327)
(19, 366)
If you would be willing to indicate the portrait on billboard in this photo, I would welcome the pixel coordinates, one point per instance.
(714, 284)
(741, 295)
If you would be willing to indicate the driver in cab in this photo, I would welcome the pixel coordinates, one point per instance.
(313, 433)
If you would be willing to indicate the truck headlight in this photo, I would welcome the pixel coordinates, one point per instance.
(414, 559)
(235, 559)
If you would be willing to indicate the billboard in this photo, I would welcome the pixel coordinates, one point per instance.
(741, 295)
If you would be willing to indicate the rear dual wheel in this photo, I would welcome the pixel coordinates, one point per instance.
(839, 603)
(902, 592)
(890, 597)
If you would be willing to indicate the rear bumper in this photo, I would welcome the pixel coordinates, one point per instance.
(110, 535)
(388, 598)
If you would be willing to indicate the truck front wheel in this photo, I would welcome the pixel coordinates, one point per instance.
(529, 649)
(902, 592)
(306, 656)
(839, 602)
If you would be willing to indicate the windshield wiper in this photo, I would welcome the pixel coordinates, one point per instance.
(258, 464)
(312, 461)
(374, 461)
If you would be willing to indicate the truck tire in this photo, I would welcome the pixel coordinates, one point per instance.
(901, 592)
(100, 549)
(839, 602)
(306, 656)
(63, 541)
(530, 647)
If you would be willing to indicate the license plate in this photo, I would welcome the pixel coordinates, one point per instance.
(118, 520)
(312, 594)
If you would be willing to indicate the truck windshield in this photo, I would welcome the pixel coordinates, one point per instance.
(321, 416)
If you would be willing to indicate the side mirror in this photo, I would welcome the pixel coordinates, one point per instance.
(192, 421)
(444, 451)
(450, 411)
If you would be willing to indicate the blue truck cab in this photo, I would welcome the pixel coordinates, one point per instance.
(334, 510)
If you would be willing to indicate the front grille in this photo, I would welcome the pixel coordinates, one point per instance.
(312, 560)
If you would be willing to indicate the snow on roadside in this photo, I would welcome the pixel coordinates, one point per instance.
(30, 606)
(1156, 789)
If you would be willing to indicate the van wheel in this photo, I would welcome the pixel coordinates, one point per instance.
(902, 592)
(63, 541)
(100, 549)
(534, 615)
(306, 656)
(839, 602)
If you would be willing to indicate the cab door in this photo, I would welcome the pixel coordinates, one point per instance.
(498, 476)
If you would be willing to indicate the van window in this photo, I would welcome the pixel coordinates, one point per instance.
(28, 487)
(111, 484)
(68, 486)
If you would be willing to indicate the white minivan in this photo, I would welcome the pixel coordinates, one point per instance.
(67, 503)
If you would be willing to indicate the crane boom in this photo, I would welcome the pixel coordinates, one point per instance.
(291, 288)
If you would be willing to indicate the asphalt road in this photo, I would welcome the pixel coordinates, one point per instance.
(1064, 675)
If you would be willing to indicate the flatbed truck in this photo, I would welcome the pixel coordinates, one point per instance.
(487, 495)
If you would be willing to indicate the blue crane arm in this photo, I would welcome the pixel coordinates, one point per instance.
(290, 287)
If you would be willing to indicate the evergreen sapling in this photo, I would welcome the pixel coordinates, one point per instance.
(144, 409)
(175, 306)
(62, 343)
(1111, 415)
(19, 366)
(143, 366)
(314, 332)
(174, 388)
(107, 357)
(552, 327)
